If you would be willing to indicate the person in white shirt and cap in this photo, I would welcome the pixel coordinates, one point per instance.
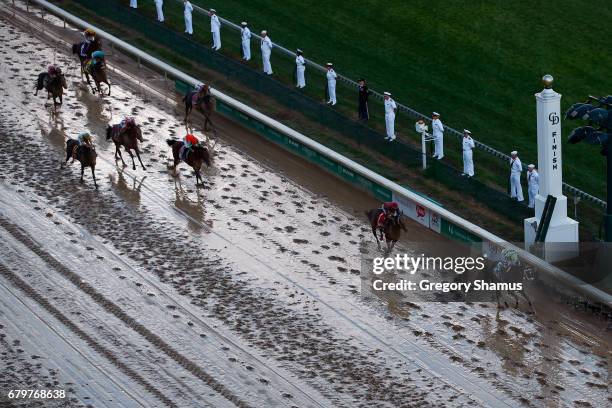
(300, 69)
(331, 83)
(245, 35)
(188, 19)
(159, 4)
(468, 158)
(437, 129)
(533, 184)
(516, 168)
(215, 29)
(134, 3)
(390, 110)
(266, 51)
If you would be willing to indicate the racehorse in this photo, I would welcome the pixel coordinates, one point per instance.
(54, 85)
(98, 73)
(91, 47)
(199, 154)
(203, 101)
(392, 228)
(85, 154)
(128, 137)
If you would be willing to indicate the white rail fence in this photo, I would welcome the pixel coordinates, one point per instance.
(348, 166)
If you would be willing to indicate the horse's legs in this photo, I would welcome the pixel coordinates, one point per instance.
(376, 236)
(93, 173)
(139, 159)
(109, 87)
(82, 171)
(132, 156)
(118, 150)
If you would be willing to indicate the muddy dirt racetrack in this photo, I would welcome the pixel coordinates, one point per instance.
(150, 292)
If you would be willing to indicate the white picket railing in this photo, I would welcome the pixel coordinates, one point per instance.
(553, 272)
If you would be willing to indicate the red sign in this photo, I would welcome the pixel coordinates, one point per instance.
(420, 211)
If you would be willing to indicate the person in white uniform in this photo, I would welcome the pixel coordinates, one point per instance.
(134, 3)
(390, 110)
(468, 158)
(159, 4)
(266, 51)
(533, 184)
(300, 69)
(188, 19)
(516, 168)
(437, 129)
(331, 83)
(245, 35)
(215, 29)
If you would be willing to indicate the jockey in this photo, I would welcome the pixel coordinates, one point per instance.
(126, 122)
(53, 71)
(188, 141)
(84, 138)
(90, 36)
(389, 209)
(97, 57)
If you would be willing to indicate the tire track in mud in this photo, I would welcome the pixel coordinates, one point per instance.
(42, 301)
(112, 308)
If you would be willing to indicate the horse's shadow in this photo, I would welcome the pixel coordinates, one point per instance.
(130, 193)
(194, 209)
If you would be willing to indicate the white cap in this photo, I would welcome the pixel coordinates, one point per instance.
(514, 152)
(298, 50)
(435, 114)
(387, 93)
(531, 166)
(329, 64)
(264, 32)
(213, 10)
(243, 23)
(467, 131)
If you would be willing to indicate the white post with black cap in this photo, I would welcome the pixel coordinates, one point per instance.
(562, 237)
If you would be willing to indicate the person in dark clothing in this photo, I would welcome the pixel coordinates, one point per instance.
(364, 93)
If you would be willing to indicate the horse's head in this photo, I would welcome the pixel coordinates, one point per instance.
(64, 82)
(137, 132)
(201, 151)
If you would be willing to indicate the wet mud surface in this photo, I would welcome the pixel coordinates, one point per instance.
(245, 291)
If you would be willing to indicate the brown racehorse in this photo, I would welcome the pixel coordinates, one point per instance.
(98, 74)
(54, 85)
(85, 154)
(391, 230)
(203, 101)
(128, 137)
(199, 154)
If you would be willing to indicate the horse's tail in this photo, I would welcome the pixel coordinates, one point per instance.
(75, 48)
(171, 142)
(109, 132)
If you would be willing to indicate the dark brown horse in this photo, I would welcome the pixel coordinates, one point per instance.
(54, 85)
(391, 229)
(203, 101)
(84, 50)
(198, 154)
(85, 154)
(98, 74)
(127, 136)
